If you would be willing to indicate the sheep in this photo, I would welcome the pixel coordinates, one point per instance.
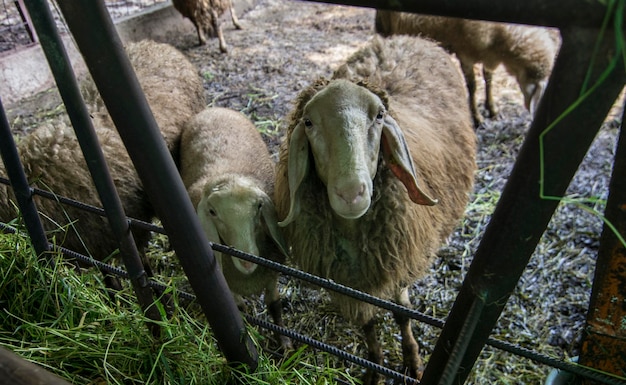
(526, 52)
(172, 86)
(347, 176)
(204, 14)
(229, 175)
(53, 161)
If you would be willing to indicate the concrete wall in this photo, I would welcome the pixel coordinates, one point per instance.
(25, 72)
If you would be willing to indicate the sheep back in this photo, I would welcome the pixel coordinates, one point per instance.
(219, 141)
(395, 240)
(171, 84)
(53, 161)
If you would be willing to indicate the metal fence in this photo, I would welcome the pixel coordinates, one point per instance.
(16, 29)
(584, 63)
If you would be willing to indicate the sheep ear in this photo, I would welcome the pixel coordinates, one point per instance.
(209, 227)
(297, 166)
(399, 161)
(268, 212)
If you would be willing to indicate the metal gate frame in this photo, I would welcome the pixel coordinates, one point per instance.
(587, 78)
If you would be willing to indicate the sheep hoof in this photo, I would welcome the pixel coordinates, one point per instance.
(371, 377)
(478, 120)
(285, 344)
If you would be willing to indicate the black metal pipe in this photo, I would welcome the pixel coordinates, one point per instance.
(21, 189)
(61, 67)
(522, 215)
(549, 13)
(110, 68)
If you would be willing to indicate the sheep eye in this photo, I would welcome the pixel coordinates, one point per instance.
(212, 212)
(308, 123)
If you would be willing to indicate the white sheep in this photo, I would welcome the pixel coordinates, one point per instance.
(229, 175)
(204, 14)
(171, 83)
(347, 178)
(526, 52)
(53, 161)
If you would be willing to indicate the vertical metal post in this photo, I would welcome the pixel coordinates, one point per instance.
(19, 183)
(604, 341)
(522, 215)
(110, 68)
(21, 8)
(60, 65)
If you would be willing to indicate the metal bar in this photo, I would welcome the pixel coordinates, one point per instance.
(61, 67)
(21, 189)
(21, 8)
(604, 341)
(502, 255)
(110, 68)
(549, 13)
(15, 370)
(465, 334)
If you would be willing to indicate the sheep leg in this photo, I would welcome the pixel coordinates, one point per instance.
(275, 307)
(234, 18)
(375, 352)
(470, 81)
(201, 37)
(218, 31)
(490, 105)
(410, 347)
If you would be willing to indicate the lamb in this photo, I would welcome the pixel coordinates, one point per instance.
(526, 52)
(170, 82)
(347, 177)
(53, 161)
(204, 14)
(229, 175)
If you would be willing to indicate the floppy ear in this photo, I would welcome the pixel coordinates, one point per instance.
(268, 213)
(297, 167)
(209, 227)
(399, 161)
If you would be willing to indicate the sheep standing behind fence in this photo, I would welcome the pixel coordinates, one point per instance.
(526, 52)
(171, 83)
(205, 14)
(227, 170)
(347, 178)
(54, 161)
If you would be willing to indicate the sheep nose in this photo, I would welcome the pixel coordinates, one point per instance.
(352, 194)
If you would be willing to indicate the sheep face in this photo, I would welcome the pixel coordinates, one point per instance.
(345, 126)
(343, 130)
(239, 214)
(532, 91)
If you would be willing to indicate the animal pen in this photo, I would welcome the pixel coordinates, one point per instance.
(587, 79)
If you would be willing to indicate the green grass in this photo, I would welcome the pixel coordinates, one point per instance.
(66, 322)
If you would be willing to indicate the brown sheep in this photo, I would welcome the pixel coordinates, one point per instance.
(526, 52)
(346, 180)
(170, 82)
(229, 175)
(53, 159)
(204, 14)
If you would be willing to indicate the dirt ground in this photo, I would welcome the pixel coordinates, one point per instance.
(284, 46)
